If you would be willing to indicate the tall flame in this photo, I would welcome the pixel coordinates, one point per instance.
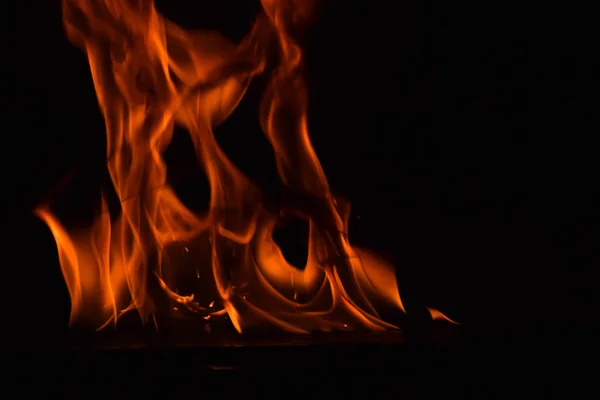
(150, 74)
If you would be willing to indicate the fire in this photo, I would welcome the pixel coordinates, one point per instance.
(150, 74)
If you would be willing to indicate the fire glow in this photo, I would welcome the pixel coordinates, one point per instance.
(150, 75)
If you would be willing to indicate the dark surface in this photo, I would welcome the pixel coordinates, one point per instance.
(464, 365)
(285, 371)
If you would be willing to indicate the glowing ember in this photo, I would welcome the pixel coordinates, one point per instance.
(149, 74)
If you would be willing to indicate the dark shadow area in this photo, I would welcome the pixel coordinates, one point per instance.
(292, 237)
(185, 174)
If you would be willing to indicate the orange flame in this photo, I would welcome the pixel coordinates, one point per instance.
(149, 74)
(437, 315)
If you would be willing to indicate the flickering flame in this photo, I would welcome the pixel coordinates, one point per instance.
(150, 74)
(437, 315)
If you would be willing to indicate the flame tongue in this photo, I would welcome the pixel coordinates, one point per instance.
(150, 74)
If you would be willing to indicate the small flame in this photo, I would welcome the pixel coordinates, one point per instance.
(437, 315)
(150, 75)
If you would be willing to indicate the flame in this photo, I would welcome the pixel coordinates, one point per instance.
(437, 315)
(149, 74)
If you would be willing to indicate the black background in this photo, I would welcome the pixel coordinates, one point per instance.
(464, 135)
